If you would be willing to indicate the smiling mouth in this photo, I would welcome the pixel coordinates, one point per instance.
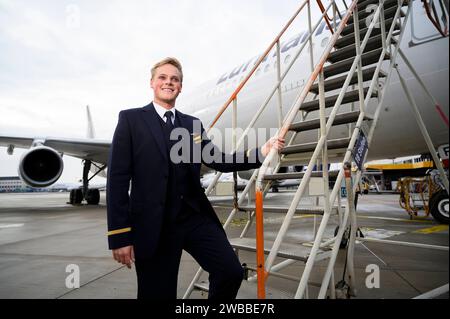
(168, 90)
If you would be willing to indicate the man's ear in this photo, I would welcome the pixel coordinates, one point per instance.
(151, 83)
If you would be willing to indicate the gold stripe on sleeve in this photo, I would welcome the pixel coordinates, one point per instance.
(119, 231)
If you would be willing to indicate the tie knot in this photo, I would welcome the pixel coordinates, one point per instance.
(168, 115)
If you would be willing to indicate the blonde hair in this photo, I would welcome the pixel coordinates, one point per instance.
(171, 61)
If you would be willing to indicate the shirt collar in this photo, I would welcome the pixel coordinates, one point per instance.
(162, 111)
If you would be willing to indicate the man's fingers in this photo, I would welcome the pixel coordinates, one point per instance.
(124, 256)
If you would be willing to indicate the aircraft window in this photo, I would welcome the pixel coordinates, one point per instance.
(325, 42)
(287, 59)
(258, 72)
(267, 68)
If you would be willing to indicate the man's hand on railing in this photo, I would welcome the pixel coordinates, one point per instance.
(274, 143)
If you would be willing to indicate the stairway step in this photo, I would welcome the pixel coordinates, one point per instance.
(349, 51)
(343, 118)
(362, 5)
(310, 147)
(345, 65)
(350, 28)
(297, 175)
(389, 12)
(303, 210)
(248, 290)
(337, 83)
(349, 97)
(349, 37)
(287, 250)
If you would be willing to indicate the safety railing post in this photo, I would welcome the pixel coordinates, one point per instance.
(260, 257)
(353, 227)
(280, 93)
(334, 16)
(360, 66)
(234, 125)
(311, 48)
(323, 132)
(383, 26)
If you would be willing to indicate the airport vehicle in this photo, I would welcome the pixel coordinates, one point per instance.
(417, 181)
(347, 60)
(425, 194)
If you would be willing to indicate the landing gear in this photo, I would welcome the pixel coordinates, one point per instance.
(92, 196)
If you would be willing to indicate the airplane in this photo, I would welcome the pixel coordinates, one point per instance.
(398, 134)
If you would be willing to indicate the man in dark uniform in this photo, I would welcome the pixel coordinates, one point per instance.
(166, 210)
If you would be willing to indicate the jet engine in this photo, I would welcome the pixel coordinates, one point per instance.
(41, 166)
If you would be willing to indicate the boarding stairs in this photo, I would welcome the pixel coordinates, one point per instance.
(354, 70)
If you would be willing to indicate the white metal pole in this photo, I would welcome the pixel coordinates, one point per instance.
(424, 130)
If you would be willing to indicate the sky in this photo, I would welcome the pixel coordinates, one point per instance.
(56, 57)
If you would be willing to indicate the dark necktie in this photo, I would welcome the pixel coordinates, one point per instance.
(168, 128)
(169, 125)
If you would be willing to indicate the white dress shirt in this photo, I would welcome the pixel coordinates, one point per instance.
(162, 111)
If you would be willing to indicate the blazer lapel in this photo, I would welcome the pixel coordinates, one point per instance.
(183, 122)
(151, 118)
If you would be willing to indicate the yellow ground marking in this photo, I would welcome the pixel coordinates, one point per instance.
(398, 219)
(432, 230)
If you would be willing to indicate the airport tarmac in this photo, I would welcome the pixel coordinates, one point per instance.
(41, 235)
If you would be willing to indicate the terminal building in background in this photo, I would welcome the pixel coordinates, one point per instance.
(13, 184)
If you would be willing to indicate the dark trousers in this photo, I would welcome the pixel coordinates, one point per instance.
(207, 244)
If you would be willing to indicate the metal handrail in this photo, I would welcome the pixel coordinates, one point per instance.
(263, 58)
(326, 17)
(434, 20)
(264, 105)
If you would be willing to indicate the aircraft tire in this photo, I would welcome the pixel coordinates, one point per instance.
(93, 197)
(76, 197)
(439, 207)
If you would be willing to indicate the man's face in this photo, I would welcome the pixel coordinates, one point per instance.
(166, 84)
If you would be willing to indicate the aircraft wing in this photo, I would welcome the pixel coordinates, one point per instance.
(91, 149)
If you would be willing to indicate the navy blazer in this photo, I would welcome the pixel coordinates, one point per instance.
(139, 155)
